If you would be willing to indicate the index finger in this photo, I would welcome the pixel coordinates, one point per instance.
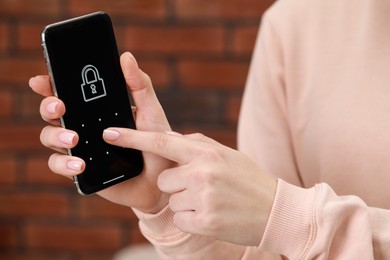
(41, 85)
(170, 146)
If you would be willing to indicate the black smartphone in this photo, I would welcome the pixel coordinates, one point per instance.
(83, 63)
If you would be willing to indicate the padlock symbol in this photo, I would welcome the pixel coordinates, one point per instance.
(93, 86)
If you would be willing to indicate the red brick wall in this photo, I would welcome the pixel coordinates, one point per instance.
(197, 53)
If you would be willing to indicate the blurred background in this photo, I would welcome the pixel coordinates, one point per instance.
(197, 53)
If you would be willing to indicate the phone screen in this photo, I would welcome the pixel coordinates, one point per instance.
(83, 61)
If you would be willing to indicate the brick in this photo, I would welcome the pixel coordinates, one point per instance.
(77, 237)
(97, 207)
(153, 10)
(221, 9)
(29, 105)
(7, 170)
(22, 8)
(197, 55)
(38, 172)
(119, 30)
(138, 238)
(15, 255)
(225, 136)
(156, 69)
(233, 109)
(175, 40)
(33, 204)
(18, 71)
(9, 236)
(244, 40)
(20, 137)
(29, 37)
(212, 74)
(222, 134)
(4, 41)
(186, 107)
(6, 103)
(158, 72)
(96, 256)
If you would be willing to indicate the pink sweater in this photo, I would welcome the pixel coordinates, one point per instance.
(316, 115)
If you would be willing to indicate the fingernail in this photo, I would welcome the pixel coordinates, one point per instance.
(110, 135)
(51, 108)
(66, 137)
(74, 165)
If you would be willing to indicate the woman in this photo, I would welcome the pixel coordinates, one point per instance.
(310, 180)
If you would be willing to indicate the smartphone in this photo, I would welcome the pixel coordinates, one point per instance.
(83, 63)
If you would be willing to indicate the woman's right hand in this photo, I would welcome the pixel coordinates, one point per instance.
(140, 192)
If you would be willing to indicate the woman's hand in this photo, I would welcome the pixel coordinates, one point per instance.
(215, 191)
(140, 192)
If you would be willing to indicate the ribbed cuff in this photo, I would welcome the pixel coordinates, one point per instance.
(168, 239)
(159, 227)
(291, 227)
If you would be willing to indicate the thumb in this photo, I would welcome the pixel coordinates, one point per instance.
(131, 72)
(138, 82)
(142, 92)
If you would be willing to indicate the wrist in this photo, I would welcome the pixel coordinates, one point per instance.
(159, 206)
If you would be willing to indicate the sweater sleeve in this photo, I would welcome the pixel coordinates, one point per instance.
(310, 223)
(171, 243)
(317, 224)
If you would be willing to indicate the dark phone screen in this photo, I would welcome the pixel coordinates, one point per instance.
(84, 62)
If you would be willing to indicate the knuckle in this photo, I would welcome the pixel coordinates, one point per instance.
(204, 178)
(44, 136)
(54, 163)
(211, 153)
(140, 80)
(202, 138)
(125, 141)
(160, 141)
(173, 203)
(197, 136)
(198, 177)
(42, 108)
(146, 79)
(208, 223)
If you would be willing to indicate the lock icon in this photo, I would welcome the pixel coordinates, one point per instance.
(93, 86)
